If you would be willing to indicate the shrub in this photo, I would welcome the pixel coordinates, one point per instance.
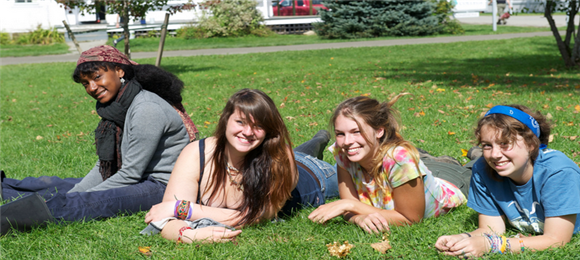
(443, 11)
(40, 36)
(5, 38)
(367, 18)
(224, 18)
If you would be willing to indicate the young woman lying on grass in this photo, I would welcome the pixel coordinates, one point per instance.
(243, 174)
(382, 180)
(521, 182)
(142, 131)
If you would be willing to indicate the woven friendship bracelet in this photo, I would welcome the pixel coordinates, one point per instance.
(182, 209)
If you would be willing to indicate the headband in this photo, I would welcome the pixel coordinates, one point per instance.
(105, 53)
(519, 115)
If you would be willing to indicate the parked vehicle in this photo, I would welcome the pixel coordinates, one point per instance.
(302, 7)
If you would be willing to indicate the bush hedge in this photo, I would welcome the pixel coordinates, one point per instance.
(226, 18)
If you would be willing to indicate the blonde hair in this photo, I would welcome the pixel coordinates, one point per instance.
(377, 115)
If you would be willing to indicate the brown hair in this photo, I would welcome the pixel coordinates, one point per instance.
(510, 128)
(267, 174)
(377, 115)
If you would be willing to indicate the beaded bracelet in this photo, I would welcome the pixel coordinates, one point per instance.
(181, 230)
(522, 245)
(468, 235)
(495, 242)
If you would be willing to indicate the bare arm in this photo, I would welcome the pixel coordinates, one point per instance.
(183, 185)
(557, 232)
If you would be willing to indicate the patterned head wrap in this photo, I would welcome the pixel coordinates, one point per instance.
(105, 53)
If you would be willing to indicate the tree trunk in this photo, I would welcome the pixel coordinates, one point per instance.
(125, 15)
(561, 46)
(572, 10)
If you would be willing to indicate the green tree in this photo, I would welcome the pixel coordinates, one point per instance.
(569, 50)
(127, 9)
(374, 18)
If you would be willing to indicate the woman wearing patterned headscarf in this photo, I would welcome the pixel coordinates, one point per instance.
(143, 129)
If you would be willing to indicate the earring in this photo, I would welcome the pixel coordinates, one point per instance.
(122, 80)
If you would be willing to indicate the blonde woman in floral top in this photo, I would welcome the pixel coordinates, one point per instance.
(381, 179)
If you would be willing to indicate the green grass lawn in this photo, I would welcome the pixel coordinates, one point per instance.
(172, 43)
(47, 122)
(13, 50)
(152, 44)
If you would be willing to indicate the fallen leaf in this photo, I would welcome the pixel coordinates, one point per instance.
(441, 111)
(551, 138)
(577, 108)
(207, 122)
(290, 118)
(39, 137)
(382, 246)
(450, 133)
(440, 90)
(464, 152)
(282, 105)
(572, 138)
(146, 250)
(313, 124)
(339, 250)
(549, 116)
(490, 105)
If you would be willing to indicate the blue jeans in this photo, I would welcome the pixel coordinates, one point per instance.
(325, 172)
(76, 206)
(308, 191)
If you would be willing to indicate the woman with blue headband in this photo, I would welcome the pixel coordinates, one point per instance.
(521, 182)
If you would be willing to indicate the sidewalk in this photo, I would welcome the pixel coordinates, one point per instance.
(522, 20)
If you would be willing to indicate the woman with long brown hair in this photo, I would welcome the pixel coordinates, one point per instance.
(243, 174)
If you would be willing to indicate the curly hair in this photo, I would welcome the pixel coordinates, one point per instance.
(509, 128)
(154, 79)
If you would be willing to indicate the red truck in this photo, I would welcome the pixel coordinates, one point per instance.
(302, 7)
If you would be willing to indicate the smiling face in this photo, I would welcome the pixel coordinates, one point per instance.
(349, 137)
(241, 136)
(103, 85)
(510, 160)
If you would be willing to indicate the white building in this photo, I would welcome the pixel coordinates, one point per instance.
(25, 15)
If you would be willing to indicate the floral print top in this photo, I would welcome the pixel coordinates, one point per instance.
(440, 195)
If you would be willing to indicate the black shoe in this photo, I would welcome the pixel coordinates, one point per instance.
(25, 213)
(474, 153)
(325, 135)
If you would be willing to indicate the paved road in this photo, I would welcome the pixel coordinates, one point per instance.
(514, 21)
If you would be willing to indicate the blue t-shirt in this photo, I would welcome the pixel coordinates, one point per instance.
(553, 190)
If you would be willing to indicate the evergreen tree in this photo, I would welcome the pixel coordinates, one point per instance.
(372, 18)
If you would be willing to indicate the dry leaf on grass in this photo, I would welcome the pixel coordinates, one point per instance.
(145, 250)
(339, 250)
(464, 152)
(382, 246)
